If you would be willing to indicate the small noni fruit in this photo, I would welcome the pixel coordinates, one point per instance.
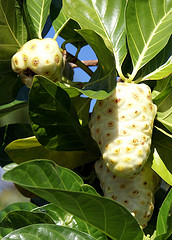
(122, 126)
(135, 193)
(41, 56)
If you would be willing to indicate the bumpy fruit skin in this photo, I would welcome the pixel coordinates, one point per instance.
(122, 126)
(41, 56)
(135, 193)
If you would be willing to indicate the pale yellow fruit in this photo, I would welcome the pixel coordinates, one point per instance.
(122, 127)
(42, 57)
(135, 193)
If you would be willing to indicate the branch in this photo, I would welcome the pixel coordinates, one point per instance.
(75, 62)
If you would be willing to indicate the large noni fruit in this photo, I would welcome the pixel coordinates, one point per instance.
(122, 126)
(135, 193)
(41, 56)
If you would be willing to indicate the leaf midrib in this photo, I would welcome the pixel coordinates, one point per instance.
(8, 26)
(141, 56)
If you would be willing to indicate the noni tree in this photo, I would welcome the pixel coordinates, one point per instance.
(90, 172)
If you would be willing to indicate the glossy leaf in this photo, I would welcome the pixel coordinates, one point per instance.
(19, 206)
(65, 189)
(105, 18)
(160, 168)
(19, 219)
(162, 159)
(103, 81)
(63, 218)
(55, 121)
(148, 29)
(159, 67)
(48, 232)
(38, 11)
(26, 149)
(164, 221)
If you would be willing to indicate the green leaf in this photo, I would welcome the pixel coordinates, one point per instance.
(105, 18)
(7, 135)
(26, 149)
(160, 168)
(103, 81)
(162, 90)
(159, 67)
(164, 221)
(148, 30)
(10, 107)
(13, 34)
(82, 106)
(63, 218)
(162, 163)
(54, 119)
(38, 11)
(9, 85)
(18, 219)
(48, 232)
(64, 188)
(24, 206)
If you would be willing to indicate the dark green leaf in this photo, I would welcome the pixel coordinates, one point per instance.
(55, 121)
(8, 134)
(24, 206)
(48, 232)
(164, 222)
(26, 149)
(9, 85)
(64, 189)
(82, 106)
(148, 29)
(18, 219)
(63, 218)
(105, 18)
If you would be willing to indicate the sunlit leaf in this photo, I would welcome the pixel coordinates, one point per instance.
(63, 218)
(164, 222)
(10, 107)
(105, 18)
(26, 149)
(162, 163)
(47, 231)
(149, 27)
(38, 11)
(64, 188)
(160, 168)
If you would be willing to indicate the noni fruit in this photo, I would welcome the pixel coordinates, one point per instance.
(135, 193)
(42, 57)
(122, 127)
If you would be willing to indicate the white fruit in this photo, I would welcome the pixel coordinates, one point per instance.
(135, 193)
(41, 56)
(122, 126)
